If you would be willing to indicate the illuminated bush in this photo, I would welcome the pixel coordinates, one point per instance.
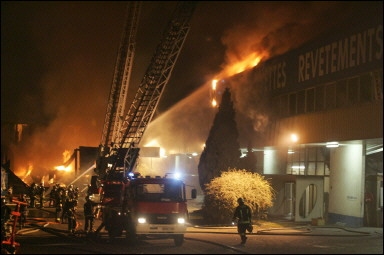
(222, 193)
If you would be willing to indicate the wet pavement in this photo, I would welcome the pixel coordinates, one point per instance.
(44, 217)
(286, 233)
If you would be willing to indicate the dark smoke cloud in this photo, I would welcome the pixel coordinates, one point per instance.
(58, 60)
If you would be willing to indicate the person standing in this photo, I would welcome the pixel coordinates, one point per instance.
(72, 222)
(41, 193)
(89, 215)
(243, 215)
(32, 195)
(23, 209)
(10, 194)
(5, 217)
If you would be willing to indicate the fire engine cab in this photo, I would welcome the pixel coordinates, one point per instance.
(146, 207)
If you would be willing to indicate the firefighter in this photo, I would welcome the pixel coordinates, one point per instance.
(32, 194)
(40, 190)
(5, 217)
(59, 209)
(243, 215)
(53, 195)
(10, 194)
(22, 208)
(89, 215)
(72, 222)
(67, 205)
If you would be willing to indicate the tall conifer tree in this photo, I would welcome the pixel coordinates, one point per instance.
(222, 149)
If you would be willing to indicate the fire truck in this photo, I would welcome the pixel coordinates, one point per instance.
(131, 204)
(146, 207)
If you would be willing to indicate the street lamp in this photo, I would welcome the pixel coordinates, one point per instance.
(294, 138)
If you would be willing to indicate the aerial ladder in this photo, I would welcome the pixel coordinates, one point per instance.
(120, 85)
(122, 134)
(119, 148)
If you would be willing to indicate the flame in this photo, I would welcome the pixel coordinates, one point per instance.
(236, 67)
(249, 62)
(214, 84)
(66, 157)
(214, 103)
(63, 168)
(213, 93)
(23, 174)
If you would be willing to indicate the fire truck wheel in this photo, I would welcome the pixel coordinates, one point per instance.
(178, 239)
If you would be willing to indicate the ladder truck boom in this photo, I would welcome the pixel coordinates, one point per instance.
(124, 151)
(120, 83)
(132, 204)
(121, 78)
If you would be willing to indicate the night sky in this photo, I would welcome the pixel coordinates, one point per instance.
(58, 60)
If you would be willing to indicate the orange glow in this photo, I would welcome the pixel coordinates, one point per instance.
(213, 93)
(294, 138)
(214, 103)
(152, 143)
(66, 157)
(23, 173)
(214, 84)
(63, 168)
(249, 62)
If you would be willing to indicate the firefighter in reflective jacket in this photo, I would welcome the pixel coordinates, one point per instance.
(243, 215)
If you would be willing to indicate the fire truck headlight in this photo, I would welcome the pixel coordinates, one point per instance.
(141, 220)
(180, 220)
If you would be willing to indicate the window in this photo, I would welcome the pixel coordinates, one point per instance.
(292, 104)
(341, 94)
(353, 90)
(330, 96)
(307, 161)
(301, 102)
(366, 88)
(310, 100)
(319, 98)
(284, 106)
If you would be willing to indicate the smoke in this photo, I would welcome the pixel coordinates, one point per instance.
(256, 30)
(269, 29)
(62, 77)
(58, 60)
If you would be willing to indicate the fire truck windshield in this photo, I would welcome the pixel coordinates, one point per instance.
(172, 192)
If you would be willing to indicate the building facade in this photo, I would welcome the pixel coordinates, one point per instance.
(328, 95)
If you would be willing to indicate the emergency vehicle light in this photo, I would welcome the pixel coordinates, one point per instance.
(141, 220)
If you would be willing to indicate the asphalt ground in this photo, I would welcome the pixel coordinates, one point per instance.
(45, 217)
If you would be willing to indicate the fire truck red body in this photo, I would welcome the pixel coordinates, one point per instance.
(145, 207)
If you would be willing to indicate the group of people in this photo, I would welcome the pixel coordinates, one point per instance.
(66, 201)
(68, 213)
(60, 193)
(36, 193)
(65, 213)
